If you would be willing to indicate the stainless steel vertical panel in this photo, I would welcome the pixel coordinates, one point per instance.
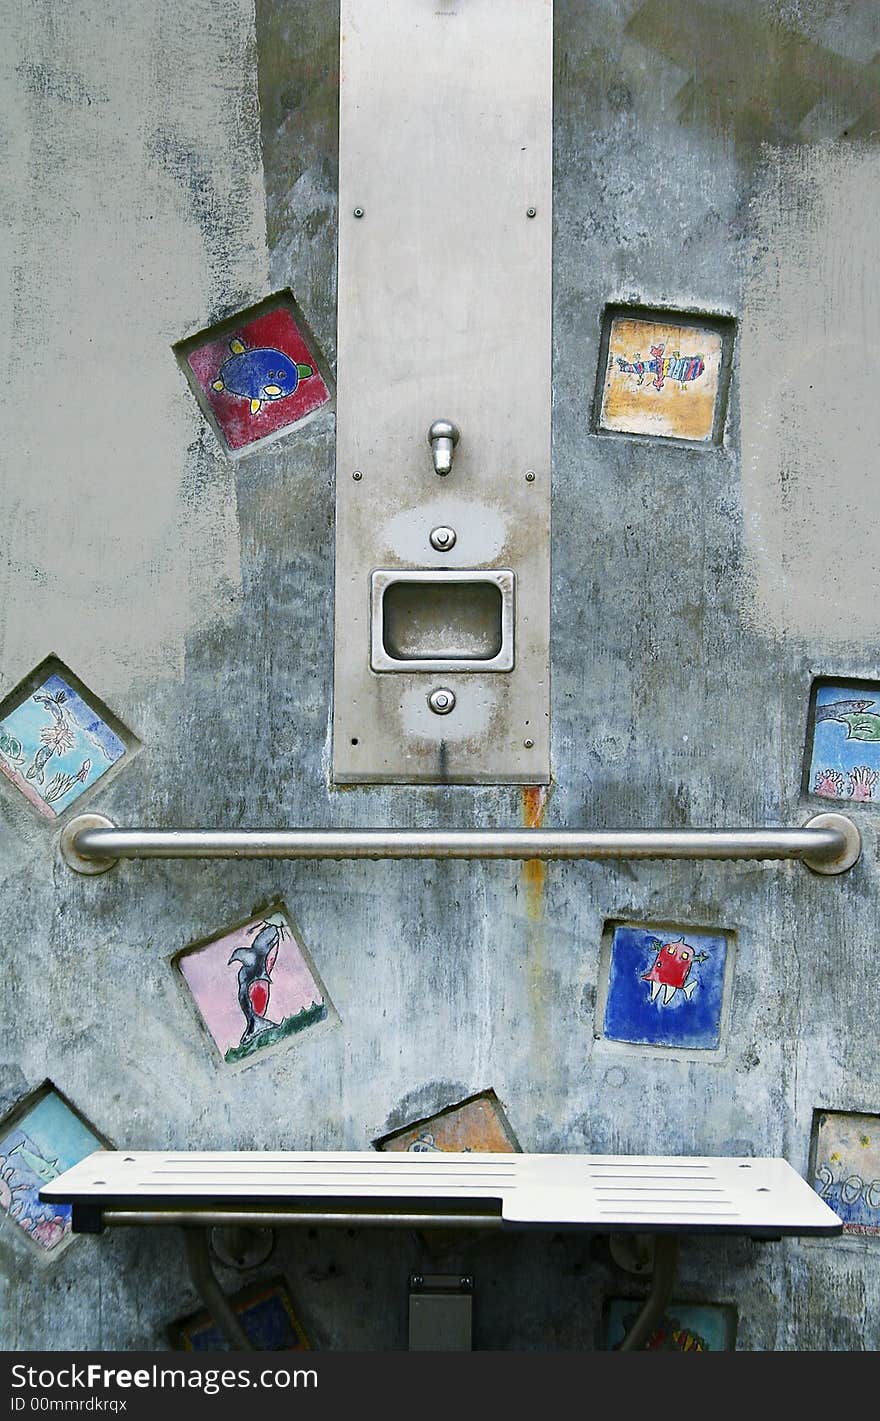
(445, 229)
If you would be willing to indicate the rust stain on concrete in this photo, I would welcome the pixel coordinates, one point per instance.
(534, 802)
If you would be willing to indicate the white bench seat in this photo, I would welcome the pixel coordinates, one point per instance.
(602, 1193)
(663, 1195)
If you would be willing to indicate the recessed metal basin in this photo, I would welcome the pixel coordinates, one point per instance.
(442, 621)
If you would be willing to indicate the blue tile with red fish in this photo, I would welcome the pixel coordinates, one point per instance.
(666, 987)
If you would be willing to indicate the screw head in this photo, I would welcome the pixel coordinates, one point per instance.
(357, 476)
(441, 700)
(443, 539)
(531, 212)
(530, 476)
(358, 212)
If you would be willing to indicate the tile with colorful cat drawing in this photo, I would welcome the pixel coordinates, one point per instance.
(663, 374)
(265, 1311)
(684, 1327)
(57, 740)
(41, 1138)
(843, 759)
(477, 1124)
(257, 375)
(663, 986)
(845, 1167)
(255, 987)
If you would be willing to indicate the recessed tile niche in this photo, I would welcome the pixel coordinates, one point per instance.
(255, 986)
(664, 986)
(43, 1136)
(266, 1313)
(258, 374)
(477, 1125)
(58, 740)
(684, 1327)
(663, 374)
(845, 1167)
(842, 759)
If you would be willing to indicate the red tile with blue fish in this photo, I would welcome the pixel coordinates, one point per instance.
(259, 377)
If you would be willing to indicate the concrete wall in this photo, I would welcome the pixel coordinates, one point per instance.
(167, 166)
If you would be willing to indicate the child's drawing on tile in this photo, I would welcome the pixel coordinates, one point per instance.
(254, 987)
(661, 378)
(845, 755)
(260, 377)
(685, 1327)
(54, 746)
(665, 987)
(35, 1147)
(846, 1170)
(265, 1311)
(477, 1125)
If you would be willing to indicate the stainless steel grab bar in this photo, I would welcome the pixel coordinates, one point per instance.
(828, 843)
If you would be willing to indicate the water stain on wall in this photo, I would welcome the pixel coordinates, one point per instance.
(757, 78)
(811, 419)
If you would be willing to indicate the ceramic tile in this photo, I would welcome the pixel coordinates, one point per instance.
(686, 1327)
(54, 744)
(255, 986)
(665, 986)
(662, 376)
(40, 1139)
(265, 1311)
(257, 375)
(846, 1167)
(477, 1124)
(844, 749)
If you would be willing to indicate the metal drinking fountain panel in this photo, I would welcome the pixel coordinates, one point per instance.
(442, 668)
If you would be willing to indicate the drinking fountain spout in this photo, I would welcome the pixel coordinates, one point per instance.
(443, 437)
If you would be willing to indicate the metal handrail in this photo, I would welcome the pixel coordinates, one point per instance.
(828, 843)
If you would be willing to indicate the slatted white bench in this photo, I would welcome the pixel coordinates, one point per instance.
(666, 1196)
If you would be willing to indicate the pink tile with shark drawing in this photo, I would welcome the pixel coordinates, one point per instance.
(255, 986)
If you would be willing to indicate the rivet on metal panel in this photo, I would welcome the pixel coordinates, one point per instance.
(529, 744)
(357, 476)
(442, 700)
(531, 212)
(358, 212)
(443, 539)
(530, 476)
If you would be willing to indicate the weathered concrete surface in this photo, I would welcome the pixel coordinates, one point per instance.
(197, 599)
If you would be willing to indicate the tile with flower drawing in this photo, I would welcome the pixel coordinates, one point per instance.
(477, 1124)
(255, 987)
(844, 746)
(54, 741)
(40, 1139)
(258, 374)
